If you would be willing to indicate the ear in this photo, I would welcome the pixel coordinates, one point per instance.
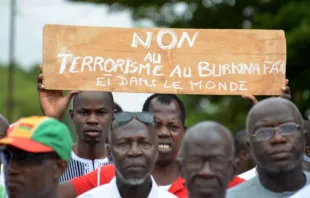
(71, 114)
(61, 166)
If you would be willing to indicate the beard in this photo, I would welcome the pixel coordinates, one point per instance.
(132, 181)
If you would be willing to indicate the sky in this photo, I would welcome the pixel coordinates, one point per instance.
(32, 15)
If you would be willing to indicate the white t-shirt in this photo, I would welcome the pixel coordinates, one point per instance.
(166, 188)
(110, 190)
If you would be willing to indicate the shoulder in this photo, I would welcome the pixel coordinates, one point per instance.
(242, 189)
(303, 193)
(96, 192)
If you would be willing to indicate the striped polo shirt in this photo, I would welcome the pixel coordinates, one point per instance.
(80, 166)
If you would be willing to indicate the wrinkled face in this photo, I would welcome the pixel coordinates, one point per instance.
(26, 174)
(207, 165)
(284, 150)
(92, 116)
(170, 129)
(134, 151)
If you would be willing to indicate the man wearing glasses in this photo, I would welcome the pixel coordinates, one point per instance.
(207, 159)
(133, 142)
(277, 142)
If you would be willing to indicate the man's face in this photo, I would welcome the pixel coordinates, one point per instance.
(207, 165)
(170, 129)
(92, 116)
(4, 125)
(280, 152)
(134, 151)
(29, 175)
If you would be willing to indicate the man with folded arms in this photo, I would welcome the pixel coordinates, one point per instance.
(133, 142)
(36, 153)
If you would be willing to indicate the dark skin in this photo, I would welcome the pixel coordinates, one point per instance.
(206, 159)
(279, 159)
(134, 151)
(170, 131)
(19, 171)
(92, 116)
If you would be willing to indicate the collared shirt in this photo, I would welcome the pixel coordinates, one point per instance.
(254, 189)
(111, 190)
(80, 166)
(105, 174)
(303, 193)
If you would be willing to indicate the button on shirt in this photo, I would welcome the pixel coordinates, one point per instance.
(111, 191)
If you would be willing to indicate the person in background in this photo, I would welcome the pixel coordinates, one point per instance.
(4, 125)
(91, 114)
(134, 145)
(36, 153)
(277, 143)
(170, 116)
(206, 159)
(243, 155)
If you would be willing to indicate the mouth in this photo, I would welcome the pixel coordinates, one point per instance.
(136, 167)
(164, 147)
(280, 155)
(92, 132)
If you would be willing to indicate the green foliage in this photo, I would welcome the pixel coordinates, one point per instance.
(293, 16)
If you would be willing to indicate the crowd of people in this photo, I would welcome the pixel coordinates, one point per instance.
(152, 153)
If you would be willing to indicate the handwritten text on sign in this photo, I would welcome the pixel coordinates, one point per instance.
(187, 61)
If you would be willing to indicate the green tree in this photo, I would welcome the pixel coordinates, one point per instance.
(292, 16)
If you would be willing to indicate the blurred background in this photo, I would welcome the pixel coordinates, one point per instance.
(21, 23)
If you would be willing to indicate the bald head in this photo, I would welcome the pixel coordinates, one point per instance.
(208, 132)
(212, 143)
(4, 125)
(274, 109)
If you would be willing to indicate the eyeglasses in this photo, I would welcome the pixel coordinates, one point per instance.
(267, 133)
(122, 118)
(22, 157)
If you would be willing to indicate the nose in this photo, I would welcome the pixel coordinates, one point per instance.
(206, 171)
(277, 138)
(92, 119)
(134, 150)
(163, 132)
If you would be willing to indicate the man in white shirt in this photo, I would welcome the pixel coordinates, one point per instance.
(133, 142)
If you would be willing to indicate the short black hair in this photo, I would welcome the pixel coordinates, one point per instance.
(166, 99)
(241, 139)
(74, 99)
(117, 108)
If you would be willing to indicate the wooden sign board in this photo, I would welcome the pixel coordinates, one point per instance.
(178, 61)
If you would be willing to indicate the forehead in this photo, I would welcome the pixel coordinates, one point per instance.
(133, 130)
(90, 98)
(271, 116)
(207, 143)
(162, 111)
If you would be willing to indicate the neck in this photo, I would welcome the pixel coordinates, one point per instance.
(89, 151)
(282, 181)
(167, 174)
(193, 195)
(129, 191)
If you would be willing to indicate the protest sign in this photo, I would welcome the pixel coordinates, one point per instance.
(156, 60)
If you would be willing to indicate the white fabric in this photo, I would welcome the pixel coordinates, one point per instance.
(248, 174)
(165, 187)
(110, 190)
(303, 193)
(2, 175)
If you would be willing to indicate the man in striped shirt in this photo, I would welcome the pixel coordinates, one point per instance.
(91, 114)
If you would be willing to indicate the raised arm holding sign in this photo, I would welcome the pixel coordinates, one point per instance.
(179, 61)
